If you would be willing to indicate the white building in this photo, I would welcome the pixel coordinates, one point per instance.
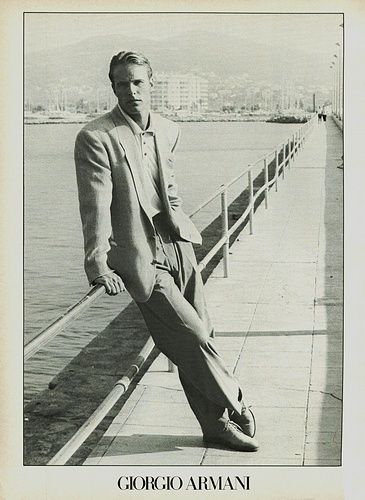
(179, 92)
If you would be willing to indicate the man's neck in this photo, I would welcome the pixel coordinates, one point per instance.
(141, 120)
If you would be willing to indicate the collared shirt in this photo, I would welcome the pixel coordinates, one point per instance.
(147, 146)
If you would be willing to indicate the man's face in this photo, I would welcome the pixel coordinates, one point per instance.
(132, 87)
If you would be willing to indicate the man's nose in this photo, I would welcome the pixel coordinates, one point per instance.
(132, 89)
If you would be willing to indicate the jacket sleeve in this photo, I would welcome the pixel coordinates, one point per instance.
(94, 183)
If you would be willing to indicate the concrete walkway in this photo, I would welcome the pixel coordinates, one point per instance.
(278, 319)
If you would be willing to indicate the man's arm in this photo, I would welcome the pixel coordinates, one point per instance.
(95, 195)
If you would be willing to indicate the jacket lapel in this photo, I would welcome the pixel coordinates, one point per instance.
(162, 148)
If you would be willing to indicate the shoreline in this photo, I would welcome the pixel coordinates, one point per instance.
(180, 120)
(268, 118)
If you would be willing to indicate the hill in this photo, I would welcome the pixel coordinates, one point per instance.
(86, 62)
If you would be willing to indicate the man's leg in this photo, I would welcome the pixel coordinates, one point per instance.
(177, 318)
(182, 336)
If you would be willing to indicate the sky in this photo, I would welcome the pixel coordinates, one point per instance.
(315, 33)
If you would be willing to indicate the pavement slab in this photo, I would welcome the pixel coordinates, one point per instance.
(283, 317)
(332, 397)
(278, 398)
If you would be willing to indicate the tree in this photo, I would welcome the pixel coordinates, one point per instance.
(38, 108)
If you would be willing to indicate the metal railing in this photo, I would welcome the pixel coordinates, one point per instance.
(62, 321)
(288, 150)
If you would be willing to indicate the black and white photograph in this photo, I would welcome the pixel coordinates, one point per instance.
(129, 129)
(183, 248)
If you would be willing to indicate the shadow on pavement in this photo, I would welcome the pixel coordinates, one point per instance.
(148, 443)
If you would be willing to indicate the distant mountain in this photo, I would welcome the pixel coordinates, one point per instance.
(86, 62)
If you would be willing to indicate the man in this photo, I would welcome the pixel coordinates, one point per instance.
(137, 237)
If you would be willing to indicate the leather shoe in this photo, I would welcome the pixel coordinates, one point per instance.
(246, 420)
(232, 437)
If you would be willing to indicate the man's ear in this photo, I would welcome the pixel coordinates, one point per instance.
(151, 81)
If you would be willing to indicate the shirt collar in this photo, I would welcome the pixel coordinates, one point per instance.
(136, 129)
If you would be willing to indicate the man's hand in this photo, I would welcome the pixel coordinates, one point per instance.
(112, 282)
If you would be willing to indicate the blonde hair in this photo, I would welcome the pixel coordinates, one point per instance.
(124, 57)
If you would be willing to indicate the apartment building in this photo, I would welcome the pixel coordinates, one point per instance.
(179, 92)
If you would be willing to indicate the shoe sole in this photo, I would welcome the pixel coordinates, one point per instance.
(254, 422)
(225, 445)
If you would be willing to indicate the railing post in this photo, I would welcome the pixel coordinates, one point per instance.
(266, 171)
(224, 219)
(251, 201)
(276, 169)
(284, 159)
(289, 152)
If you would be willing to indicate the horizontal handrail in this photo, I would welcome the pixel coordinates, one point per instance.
(62, 321)
(239, 221)
(203, 263)
(120, 387)
(206, 202)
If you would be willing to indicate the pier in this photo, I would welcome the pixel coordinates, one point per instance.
(278, 319)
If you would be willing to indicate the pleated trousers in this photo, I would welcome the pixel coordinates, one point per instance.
(177, 318)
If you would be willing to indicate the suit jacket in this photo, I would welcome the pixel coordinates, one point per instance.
(117, 227)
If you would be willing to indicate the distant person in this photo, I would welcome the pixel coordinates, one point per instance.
(324, 113)
(136, 236)
(319, 114)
